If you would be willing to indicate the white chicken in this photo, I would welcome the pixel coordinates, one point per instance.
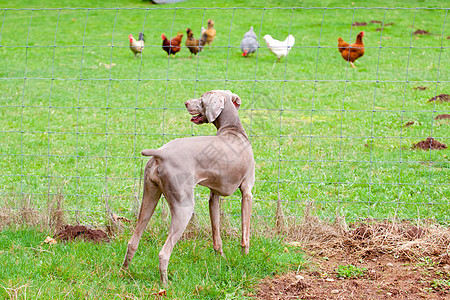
(280, 49)
(137, 46)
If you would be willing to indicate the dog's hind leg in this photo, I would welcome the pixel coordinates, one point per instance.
(150, 199)
(181, 206)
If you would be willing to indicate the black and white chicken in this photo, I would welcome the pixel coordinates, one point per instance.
(249, 43)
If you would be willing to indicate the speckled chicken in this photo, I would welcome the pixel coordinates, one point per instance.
(249, 43)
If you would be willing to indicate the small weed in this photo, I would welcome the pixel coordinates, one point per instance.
(350, 271)
(426, 262)
(440, 283)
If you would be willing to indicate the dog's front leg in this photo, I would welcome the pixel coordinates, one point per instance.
(214, 214)
(246, 211)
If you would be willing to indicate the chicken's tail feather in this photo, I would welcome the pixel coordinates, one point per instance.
(290, 41)
(141, 36)
(203, 39)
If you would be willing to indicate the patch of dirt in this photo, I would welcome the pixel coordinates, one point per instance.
(69, 233)
(421, 32)
(376, 22)
(397, 261)
(359, 24)
(429, 143)
(385, 278)
(441, 97)
(421, 88)
(409, 123)
(443, 116)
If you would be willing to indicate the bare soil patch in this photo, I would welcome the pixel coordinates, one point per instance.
(421, 32)
(428, 144)
(385, 278)
(441, 97)
(421, 88)
(400, 261)
(359, 24)
(384, 25)
(443, 116)
(410, 123)
(70, 233)
(376, 22)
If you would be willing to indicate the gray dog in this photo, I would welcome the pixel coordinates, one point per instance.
(223, 163)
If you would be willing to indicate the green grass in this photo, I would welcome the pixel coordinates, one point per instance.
(339, 142)
(83, 270)
(350, 271)
(358, 162)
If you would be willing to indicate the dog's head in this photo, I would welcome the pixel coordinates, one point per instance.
(208, 107)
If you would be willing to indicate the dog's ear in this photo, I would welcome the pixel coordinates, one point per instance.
(235, 99)
(213, 104)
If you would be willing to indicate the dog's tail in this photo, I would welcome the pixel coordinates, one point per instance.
(152, 152)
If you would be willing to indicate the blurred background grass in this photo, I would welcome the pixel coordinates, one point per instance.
(320, 131)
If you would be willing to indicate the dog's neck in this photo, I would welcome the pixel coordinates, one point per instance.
(229, 119)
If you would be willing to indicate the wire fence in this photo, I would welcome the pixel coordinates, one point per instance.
(77, 108)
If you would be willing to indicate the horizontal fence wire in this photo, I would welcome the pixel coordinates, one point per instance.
(77, 108)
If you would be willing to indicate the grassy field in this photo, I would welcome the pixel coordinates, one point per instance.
(321, 131)
(83, 270)
(76, 109)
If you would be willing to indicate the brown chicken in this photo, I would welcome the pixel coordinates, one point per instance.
(352, 52)
(210, 33)
(171, 46)
(193, 44)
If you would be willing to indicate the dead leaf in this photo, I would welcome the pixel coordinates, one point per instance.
(49, 240)
(107, 66)
(295, 244)
(160, 293)
(119, 218)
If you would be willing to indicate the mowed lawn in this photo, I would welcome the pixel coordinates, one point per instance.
(77, 108)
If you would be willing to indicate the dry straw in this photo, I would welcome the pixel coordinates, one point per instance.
(371, 238)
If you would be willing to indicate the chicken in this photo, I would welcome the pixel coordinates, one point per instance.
(203, 37)
(280, 49)
(352, 52)
(249, 43)
(210, 33)
(193, 44)
(137, 46)
(172, 46)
